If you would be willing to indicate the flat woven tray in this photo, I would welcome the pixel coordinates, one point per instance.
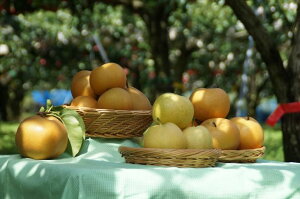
(170, 157)
(242, 156)
(108, 123)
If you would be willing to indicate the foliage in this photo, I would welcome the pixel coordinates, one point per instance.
(46, 48)
(40, 46)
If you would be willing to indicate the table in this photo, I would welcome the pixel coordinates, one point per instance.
(100, 172)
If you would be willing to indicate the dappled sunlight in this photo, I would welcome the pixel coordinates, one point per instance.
(102, 156)
(271, 174)
(100, 167)
(200, 97)
(190, 179)
(143, 180)
(42, 173)
(163, 181)
(4, 165)
(106, 150)
(174, 98)
(30, 171)
(18, 167)
(225, 128)
(33, 170)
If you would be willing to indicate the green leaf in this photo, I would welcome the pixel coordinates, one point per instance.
(76, 129)
(73, 123)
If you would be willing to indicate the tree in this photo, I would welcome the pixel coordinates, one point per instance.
(285, 79)
(39, 57)
(175, 38)
(178, 35)
(183, 35)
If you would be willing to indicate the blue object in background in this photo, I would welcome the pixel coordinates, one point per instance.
(40, 97)
(60, 96)
(264, 109)
(57, 96)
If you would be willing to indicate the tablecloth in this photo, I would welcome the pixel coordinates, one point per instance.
(99, 171)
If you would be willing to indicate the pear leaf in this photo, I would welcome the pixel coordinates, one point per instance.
(75, 128)
(73, 123)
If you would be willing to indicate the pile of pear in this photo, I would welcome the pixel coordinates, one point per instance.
(199, 122)
(106, 87)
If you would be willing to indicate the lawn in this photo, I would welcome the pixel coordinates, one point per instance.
(7, 137)
(273, 141)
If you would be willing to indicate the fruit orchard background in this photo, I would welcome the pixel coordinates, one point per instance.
(164, 46)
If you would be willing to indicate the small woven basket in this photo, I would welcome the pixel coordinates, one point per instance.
(108, 123)
(171, 157)
(241, 156)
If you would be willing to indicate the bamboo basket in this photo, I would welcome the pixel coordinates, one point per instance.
(107, 123)
(171, 157)
(242, 156)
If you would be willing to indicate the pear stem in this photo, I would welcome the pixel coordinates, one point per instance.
(158, 120)
(193, 121)
(214, 124)
(42, 114)
(248, 116)
(47, 114)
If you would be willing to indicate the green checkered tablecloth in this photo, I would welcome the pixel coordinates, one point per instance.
(100, 172)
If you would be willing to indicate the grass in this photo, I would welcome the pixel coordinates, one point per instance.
(273, 141)
(7, 137)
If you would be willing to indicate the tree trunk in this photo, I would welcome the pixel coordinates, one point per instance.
(158, 39)
(157, 25)
(285, 82)
(3, 102)
(15, 104)
(291, 137)
(290, 122)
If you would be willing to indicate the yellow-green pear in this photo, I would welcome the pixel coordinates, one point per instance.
(170, 107)
(167, 136)
(198, 137)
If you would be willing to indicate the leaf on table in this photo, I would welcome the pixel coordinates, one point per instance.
(76, 130)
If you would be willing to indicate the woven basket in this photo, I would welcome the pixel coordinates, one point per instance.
(170, 157)
(242, 156)
(108, 123)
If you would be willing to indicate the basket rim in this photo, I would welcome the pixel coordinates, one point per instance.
(166, 150)
(182, 158)
(242, 156)
(88, 109)
(263, 148)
